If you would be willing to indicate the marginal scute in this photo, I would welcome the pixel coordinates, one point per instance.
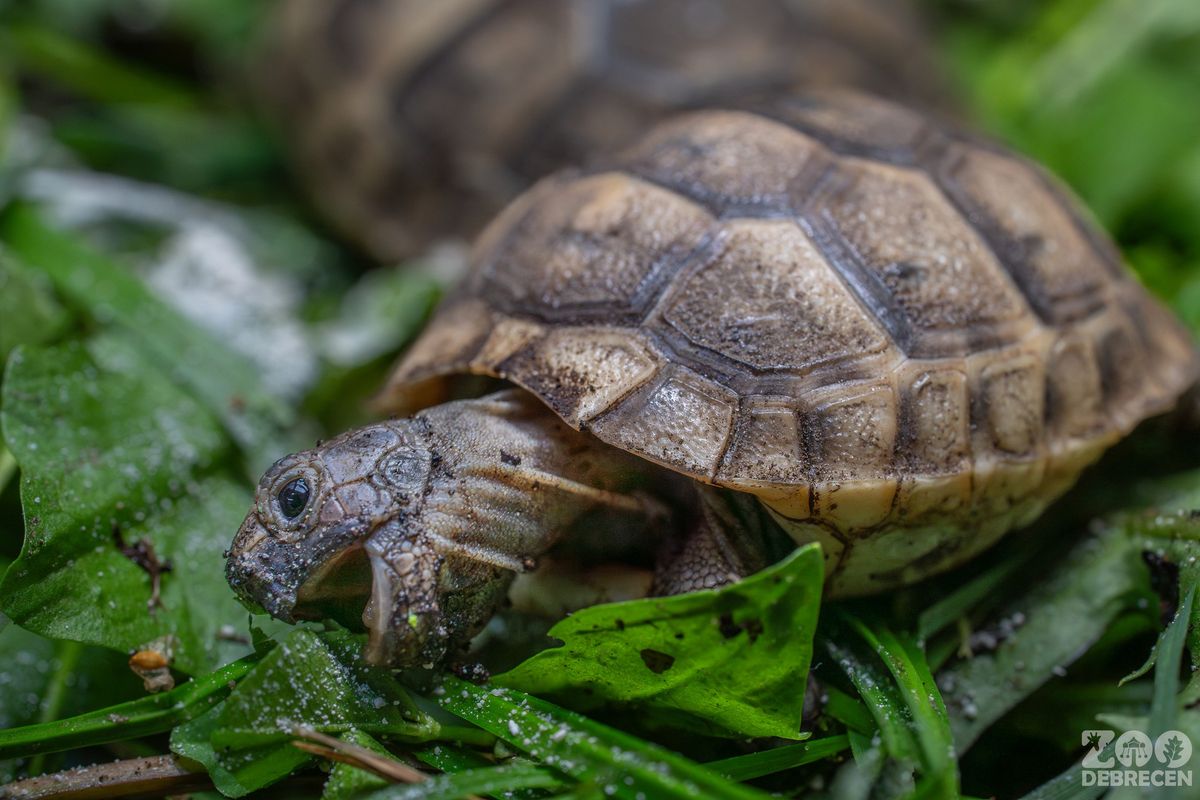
(1122, 365)
(454, 336)
(937, 410)
(939, 274)
(592, 243)
(766, 446)
(1073, 394)
(852, 433)
(684, 420)
(770, 301)
(581, 372)
(1013, 396)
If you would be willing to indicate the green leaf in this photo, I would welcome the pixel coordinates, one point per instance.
(494, 781)
(42, 50)
(347, 781)
(905, 701)
(245, 743)
(623, 765)
(1062, 614)
(41, 680)
(28, 307)
(111, 450)
(778, 759)
(1165, 706)
(222, 381)
(147, 715)
(731, 661)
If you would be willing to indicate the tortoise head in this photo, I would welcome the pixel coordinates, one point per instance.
(335, 533)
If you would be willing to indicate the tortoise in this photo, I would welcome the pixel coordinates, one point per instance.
(898, 340)
(414, 121)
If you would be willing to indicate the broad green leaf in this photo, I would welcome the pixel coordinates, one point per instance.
(620, 764)
(245, 743)
(112, 451)
(731, 661)
(30, 312)
(223, 382)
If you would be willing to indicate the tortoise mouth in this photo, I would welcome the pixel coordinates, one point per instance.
(338, 590)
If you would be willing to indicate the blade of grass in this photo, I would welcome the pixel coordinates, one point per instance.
(449, 758)
(778, 759)
(1069, 784)
(584, 749)
(89, 72)
(148, 715)
(909, 710)
(1164, 708)
(496, 781)
(962, 600)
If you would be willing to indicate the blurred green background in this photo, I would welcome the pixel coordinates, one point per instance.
(1106, 93)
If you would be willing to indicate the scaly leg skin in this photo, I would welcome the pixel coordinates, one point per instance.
(733, 537)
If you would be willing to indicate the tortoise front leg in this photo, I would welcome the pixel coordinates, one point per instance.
(731, 538)
(510, 481)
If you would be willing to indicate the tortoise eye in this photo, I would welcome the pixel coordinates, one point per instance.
(293, 497)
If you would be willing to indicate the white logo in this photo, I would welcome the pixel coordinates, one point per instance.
(1132, 759)
(1133, 749)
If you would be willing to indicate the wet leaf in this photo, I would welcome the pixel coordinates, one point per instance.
(223, 382)
(347, 781)
(31, 313)
(1063, 613)
(41, 679)
(113, 452)
(245, 743)
(731, 661)
(619, 764)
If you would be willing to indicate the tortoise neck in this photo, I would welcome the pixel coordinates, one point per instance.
(511, 478)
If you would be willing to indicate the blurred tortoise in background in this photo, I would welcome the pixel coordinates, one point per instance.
(414, 120)
(902, 341)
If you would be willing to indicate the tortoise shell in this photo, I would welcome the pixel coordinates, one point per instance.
(414, 120)
(902, 340)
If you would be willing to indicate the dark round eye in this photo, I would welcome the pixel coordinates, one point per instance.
(293, 498)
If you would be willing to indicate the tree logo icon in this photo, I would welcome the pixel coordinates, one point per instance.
(1173, 749)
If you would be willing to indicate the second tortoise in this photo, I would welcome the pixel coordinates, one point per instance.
(902, 341)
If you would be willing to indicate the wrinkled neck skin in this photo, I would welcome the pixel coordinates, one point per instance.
(508, 480)
(443, 510)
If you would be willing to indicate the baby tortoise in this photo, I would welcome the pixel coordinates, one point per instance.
(414, 120)
(902, 341)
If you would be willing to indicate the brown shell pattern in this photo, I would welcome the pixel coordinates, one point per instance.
(865, 320)
(418, 119)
